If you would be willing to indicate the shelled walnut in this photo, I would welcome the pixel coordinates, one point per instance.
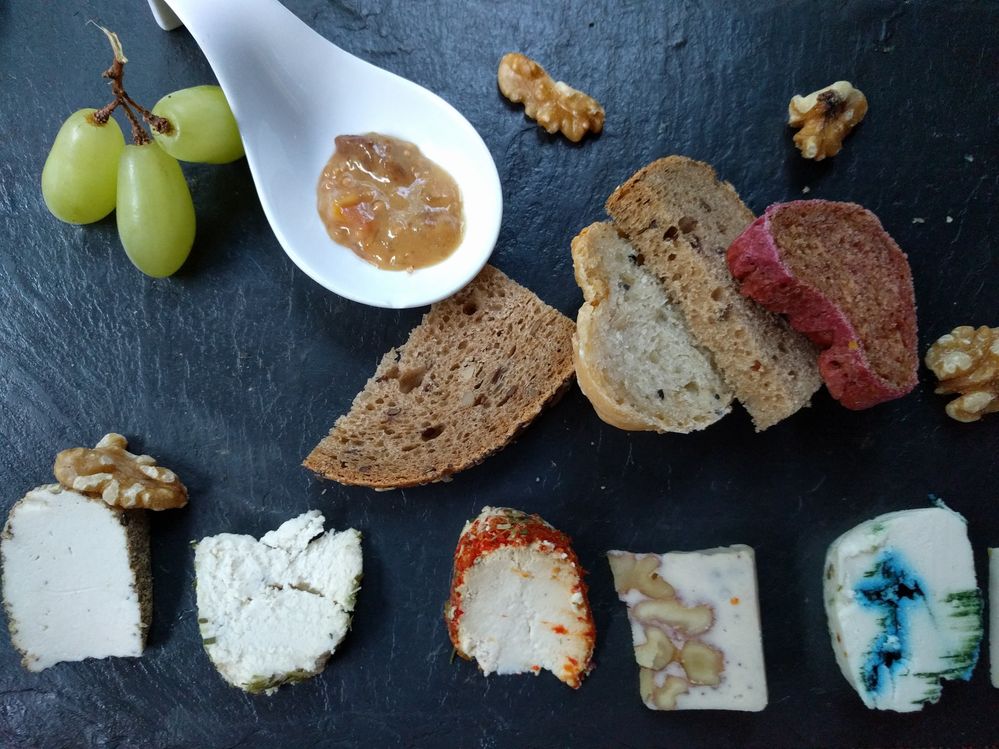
(966, 361)
(119, 477)
(555, 105)
(825, 117)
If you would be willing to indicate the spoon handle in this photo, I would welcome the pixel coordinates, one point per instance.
(253, 46)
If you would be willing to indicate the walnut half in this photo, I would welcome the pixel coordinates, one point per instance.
(966, 361)
(555, 105)
(825, 117)
(118, 477)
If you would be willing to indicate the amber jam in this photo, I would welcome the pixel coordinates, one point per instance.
(390, 204)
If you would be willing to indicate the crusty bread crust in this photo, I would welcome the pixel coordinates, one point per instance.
(476, 371)
(755, 260)
(682, 218)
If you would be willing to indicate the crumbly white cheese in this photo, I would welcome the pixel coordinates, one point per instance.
(69, 585)
(904, 607)
(724, 579)
(523, 612)
(994, 616)
(272, 611)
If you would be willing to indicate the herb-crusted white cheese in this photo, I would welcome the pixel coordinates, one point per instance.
(76, 579)
(273, 611)
(904, 607)
(695, 623)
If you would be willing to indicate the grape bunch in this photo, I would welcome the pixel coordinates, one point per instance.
(90, 172)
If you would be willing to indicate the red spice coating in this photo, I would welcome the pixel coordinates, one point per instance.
(511, 528)
(754, 258)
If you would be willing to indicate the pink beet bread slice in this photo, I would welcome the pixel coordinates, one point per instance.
(844, 283)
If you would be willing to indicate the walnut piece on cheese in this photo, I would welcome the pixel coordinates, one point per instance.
(272, 611)
(966, 361)
(697, 640)
(120, 478)
(825, 117)
(76, 578)
(555, 105)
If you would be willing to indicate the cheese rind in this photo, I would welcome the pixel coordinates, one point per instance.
(904, 607)
(273, 611)
(723, 580)
(994, 616)
(76, 580)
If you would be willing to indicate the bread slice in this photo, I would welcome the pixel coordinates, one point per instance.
(682, 219)
(477, 370)
(843, 282)
(635, 357)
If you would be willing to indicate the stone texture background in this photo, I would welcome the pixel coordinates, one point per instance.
(232, 370)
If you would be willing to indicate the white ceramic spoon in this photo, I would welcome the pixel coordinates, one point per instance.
(292, 92)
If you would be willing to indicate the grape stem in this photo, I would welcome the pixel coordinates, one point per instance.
(116, 75)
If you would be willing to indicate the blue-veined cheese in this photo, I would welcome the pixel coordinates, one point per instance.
(695, 624)
(994, 616)
(904, 607)
(273, 611)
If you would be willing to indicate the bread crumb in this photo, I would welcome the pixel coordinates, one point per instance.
(805, 190)
(918, 220)
(969, 158)
(950, 220)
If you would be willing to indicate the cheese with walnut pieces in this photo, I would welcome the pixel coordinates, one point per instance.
(272, 611)
(76, 580)
(904, 607)
(518, 601)
(695, 624)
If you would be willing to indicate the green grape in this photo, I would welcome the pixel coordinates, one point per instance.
(155, 211)
(81, 171)
(204, 129)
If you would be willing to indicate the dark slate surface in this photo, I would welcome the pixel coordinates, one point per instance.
(232, 370)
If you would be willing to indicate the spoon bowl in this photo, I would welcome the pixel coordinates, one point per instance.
(292, 92)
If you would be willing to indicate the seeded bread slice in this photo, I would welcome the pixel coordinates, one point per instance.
(475, 372)
(635, 358)
(843, 282)
(682, 219)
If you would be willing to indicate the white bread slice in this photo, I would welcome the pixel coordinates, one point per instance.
(635, 358)
(683, 219)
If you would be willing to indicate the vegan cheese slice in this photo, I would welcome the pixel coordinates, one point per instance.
(994, 616)
(904, 607)
(76, 580)
(695, 624)
(518, 601)
(273, 611)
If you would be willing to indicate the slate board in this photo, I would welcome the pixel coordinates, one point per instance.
(232, 370)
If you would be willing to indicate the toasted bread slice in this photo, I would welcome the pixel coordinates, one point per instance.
(635, 357)
(478, 369)
(843, 282)
(682, 219)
